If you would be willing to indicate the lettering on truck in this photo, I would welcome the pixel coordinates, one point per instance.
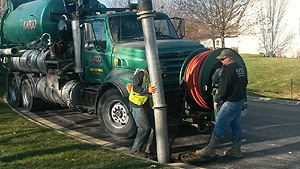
(30, 24)
(95, 59)
(96, 70)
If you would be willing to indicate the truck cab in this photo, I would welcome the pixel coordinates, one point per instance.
(118, 44)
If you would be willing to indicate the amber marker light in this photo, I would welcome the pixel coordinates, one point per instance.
(129, 86)
(115, 61)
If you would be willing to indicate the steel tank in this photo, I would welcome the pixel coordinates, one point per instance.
(69, 95)
(31, 61)
(30, 20)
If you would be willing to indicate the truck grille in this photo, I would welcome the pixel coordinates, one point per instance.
(173, 63)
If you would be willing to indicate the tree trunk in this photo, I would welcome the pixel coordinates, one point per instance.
(214, 43)
(223, 41)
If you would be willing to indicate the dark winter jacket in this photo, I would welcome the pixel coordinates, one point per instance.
(233, 84)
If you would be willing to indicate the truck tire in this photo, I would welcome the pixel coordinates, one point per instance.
(30, 103)
(115, 115)
(13, 92)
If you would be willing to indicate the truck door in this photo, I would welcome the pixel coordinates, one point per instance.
(96, 61)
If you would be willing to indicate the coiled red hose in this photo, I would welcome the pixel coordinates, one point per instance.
(192, 78)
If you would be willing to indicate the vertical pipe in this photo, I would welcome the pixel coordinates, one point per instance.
(147, 16)
(77, 43)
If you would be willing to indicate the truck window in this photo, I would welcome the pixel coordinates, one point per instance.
(129, 28)
(161, 27)
(99, 34)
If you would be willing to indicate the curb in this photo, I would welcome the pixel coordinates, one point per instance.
(274, 100)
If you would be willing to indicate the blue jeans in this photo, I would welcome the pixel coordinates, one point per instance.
(229, 114)
(144, 120)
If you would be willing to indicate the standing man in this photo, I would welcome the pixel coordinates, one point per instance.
(231, 94)
(141, 104)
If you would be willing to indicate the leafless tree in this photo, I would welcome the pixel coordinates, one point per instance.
(273, 37)
(166, 6)
(217, 17)
(194, 32)
(118, 3)
(2, 8)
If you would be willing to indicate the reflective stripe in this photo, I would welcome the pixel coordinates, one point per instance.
(137, 98)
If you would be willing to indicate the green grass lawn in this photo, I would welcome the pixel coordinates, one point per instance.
(271, 77)
(24, 144)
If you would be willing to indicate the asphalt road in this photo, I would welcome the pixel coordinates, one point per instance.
(271, 138)
(271, 135)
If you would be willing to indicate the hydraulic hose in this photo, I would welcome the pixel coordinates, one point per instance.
(192, 78)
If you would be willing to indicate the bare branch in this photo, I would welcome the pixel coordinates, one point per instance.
(2, 8)
(273, 37)
(220, 17)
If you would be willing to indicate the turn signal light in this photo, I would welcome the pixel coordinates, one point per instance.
(115, 61)
(129, 86)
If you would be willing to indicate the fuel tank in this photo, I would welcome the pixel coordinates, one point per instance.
(29, 20)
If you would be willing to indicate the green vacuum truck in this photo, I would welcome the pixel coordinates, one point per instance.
(82, 55)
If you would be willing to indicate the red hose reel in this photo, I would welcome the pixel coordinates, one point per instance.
(192, 78)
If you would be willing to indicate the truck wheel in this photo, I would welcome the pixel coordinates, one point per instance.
(30, 103)
(115, 114)
(13, 92)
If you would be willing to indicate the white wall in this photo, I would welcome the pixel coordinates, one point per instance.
(207, 43)
(293, 23)
(230, 42)
(248, 44)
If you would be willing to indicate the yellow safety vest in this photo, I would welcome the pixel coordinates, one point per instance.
(137, 98)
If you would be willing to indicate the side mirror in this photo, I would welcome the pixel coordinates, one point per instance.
(179, 25)
(88, 34)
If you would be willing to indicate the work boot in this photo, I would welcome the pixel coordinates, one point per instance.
(140, 154)
(235, 150)
(209, 151)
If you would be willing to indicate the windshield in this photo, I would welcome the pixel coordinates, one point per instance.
(129, 28)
